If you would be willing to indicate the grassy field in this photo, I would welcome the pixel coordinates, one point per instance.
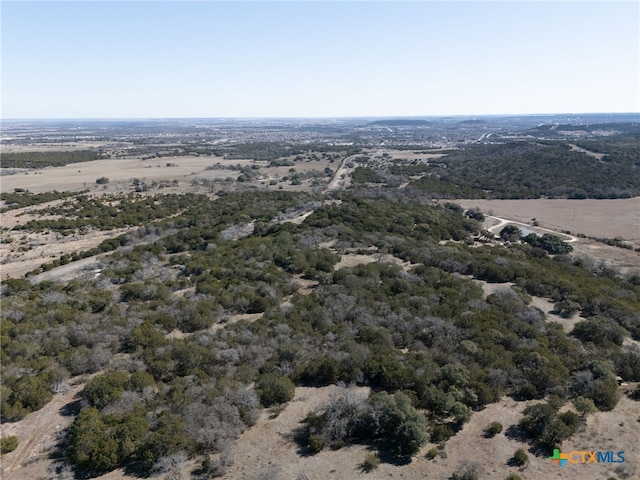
(595, 218)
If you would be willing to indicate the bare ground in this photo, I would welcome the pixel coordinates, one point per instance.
(120, 172)
(543, 304)
(268, 449)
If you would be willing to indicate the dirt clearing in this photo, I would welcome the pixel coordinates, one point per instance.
(268, 451)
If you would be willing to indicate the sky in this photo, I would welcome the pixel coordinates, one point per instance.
(165, 59)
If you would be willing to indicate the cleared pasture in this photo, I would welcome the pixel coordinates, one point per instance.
(594, 218)
(120, 173)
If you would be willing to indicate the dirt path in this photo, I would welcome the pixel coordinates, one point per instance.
(37, 434)
(503, 221)
(598, 156)
(339, 180)
(59, 273)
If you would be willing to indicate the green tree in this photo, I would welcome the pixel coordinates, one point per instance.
(510, 233)
(90, 445)
(584, 406)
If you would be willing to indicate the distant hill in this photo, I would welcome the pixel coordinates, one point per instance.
(560, 129)
(471, 122)
(400, 122)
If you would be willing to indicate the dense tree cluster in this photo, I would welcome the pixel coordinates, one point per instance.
(109, 212)
(548, 242)
(26, 199)
(365, 175)
(49, 158)
(531, 170)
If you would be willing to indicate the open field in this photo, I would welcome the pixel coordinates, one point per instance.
(595, 218)
(186, 170)
(120, 173)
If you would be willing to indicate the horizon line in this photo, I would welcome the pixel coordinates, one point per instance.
(317, 117)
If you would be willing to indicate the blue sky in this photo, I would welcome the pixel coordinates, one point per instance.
(147, 59)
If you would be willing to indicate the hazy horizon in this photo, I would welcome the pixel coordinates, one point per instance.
(344, 117)
(258, 60)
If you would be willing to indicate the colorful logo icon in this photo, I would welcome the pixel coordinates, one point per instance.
(559, 458)
(583, 456)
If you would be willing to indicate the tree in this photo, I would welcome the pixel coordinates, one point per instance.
(510, 233)
(599, 330)
(90, 445)
(584, 406)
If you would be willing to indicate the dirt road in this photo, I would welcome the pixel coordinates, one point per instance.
(502, 222)
(339, 179)
(37, 434)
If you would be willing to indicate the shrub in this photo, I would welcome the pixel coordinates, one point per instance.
(371, 462)
(8, 444)
(467, 472)
(102, 180)
(513, 476)
(274, 390)
(441, 433)
(520, 458)
(431, 454)
(493, 429)
(599, 330)
(315, 443)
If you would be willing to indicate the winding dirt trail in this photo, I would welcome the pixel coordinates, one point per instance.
(503, 221)
(37, 434)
